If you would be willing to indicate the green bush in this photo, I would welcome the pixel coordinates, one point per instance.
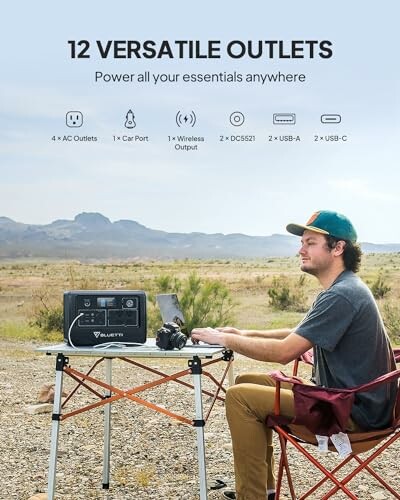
(165, 283)
(203, 303)
(379, 287)
(391, 319)
(49, 320)
(47, 315)
(286, 296)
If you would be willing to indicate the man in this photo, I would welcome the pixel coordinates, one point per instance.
(350, 345)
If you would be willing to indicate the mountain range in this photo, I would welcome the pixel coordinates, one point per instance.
(93, 236)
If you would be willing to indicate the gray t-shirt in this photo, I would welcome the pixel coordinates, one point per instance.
(351, 347)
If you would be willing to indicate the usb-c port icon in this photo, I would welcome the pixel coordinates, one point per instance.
(331, 118)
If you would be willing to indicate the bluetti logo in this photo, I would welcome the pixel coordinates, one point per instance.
(98, 334)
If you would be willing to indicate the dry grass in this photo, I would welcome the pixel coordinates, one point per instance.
(248, 281)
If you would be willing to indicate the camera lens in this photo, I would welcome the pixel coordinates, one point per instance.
(178, 340)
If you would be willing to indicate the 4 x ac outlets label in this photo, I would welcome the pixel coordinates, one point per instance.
(74, 138)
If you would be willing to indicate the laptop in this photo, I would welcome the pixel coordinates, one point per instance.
(170, 309)
(171, 312)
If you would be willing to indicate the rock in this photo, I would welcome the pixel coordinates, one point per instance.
(39, 496)
(40, 408)
(379, 496)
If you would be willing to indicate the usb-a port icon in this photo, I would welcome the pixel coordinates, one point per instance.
(284, 118)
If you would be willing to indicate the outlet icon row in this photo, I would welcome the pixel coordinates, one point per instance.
(74, 119)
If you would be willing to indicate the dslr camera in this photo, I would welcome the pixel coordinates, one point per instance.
(170, 336)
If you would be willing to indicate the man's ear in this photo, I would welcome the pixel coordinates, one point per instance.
(339, 248)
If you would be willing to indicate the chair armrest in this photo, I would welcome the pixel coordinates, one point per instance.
(323, 411)
(307, 358)
(383, 379)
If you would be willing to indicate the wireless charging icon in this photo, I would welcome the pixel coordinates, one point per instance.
(185, 119)
(236, 119)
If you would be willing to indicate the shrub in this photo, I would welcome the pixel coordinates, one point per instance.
(379, 287)
(391, 319)
(203, 303)
(47, 316)
(49, 320)
(285, 296)
(165, 283)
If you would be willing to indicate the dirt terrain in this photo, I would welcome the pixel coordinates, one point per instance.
(152, 456)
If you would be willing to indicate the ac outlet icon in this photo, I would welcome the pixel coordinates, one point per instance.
(74, 119)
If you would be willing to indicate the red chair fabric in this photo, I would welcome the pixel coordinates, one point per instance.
(325, 412)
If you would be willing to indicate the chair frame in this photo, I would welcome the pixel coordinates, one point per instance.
(287, 434)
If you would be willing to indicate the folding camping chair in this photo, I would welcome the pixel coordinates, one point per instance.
(329, 409)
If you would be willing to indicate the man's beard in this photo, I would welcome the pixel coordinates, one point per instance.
(311, 270)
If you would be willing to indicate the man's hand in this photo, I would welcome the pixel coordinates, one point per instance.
(229, 329)
(208, 335)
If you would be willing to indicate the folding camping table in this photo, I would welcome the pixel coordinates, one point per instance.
(198, 358)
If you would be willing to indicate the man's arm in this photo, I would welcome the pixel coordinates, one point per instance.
(280, 333)
(262, 349)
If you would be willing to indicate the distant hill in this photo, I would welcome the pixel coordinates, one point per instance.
(94, 236)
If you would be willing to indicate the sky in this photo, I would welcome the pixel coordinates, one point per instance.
(254, 187)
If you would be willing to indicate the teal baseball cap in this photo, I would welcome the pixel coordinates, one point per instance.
(326, 222)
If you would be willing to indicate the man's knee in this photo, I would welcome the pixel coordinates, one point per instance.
(244, 401)
(236, 395)
(255, 378)
(231, 395)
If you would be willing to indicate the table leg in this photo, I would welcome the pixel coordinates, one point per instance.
(107, 428)
(199, 423)
(55, 426)
(231, 375)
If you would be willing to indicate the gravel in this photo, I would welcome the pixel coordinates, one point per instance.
(152, 456)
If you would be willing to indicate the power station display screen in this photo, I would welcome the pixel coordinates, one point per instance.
(106, 302)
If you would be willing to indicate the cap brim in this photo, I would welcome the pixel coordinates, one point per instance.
(298, 229)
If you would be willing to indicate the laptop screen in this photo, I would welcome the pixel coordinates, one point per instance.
(170, 308)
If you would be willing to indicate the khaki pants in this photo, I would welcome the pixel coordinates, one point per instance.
(247, 405)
